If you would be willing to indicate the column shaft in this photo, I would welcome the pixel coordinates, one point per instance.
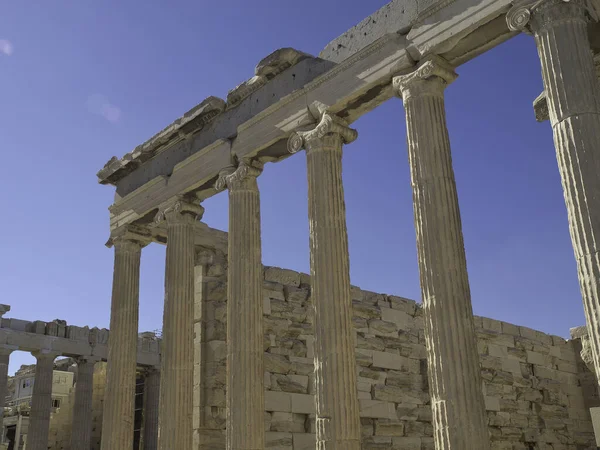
(245, 373)
(119, 407)
(151, 403)
(459, 416)
(41, 402)
(4, 360)
(18, 439)
(573, 93)
(81, 431)
(177, 359)
(337, 422)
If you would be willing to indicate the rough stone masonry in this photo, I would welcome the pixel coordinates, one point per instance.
(537, 389)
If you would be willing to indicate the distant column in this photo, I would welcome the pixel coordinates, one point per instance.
(81, 430)
(337, 422)
(18, 429)
(572, 90)
(119, 397)
(459, 416)
(41, 402)
(177, 357)
(4, 360)
(151, 404)
(245, 373)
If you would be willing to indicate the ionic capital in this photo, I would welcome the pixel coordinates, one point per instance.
(87, 359)
(178, 211)
(530, 16)
(329, 124)
(241, 178)
(45, 355)
(431, 77)
(130, 238)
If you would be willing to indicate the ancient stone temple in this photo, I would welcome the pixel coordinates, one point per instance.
(255, 358)
(58, 403)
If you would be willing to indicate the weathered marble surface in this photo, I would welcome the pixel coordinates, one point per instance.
(457, 402)
(536, 387)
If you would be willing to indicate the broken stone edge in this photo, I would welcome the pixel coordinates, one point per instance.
(200, 116)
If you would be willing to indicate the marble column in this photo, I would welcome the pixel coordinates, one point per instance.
(151, 401)
(119, 397)
(41, 402)
(204, 260)
(573, 99)
(18, 428)
(245, 374)
(459, 415)
(177, 361)
(81, 431)
(4, 360)
(337, 421)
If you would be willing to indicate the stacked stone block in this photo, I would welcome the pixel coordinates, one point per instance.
(61, 419)
(98, 403)
(532, 382)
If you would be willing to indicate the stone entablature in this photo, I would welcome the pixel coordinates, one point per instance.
(407, 49)
(352, 76)
(534, 384)
(69, 340)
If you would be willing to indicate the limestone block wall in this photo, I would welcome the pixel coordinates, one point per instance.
(61, 420)
(532, 382)
(98, 403)
(59, 435)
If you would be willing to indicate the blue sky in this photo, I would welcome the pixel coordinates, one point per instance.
(81, 81)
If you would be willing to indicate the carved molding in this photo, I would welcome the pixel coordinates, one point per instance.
(179, 210)
(432, 68)
(244, 176)
(267, 69)
(45, 354)
(328, 124)
(181, 129)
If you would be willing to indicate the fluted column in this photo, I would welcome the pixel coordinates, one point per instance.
(119, 397)
(18, 428)
(337, 421)
(4, 360)
(459, 416)
(151, 402)
(41, 402)
(81, 431)
(177, 357)
(573, 96)
(245, 375)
